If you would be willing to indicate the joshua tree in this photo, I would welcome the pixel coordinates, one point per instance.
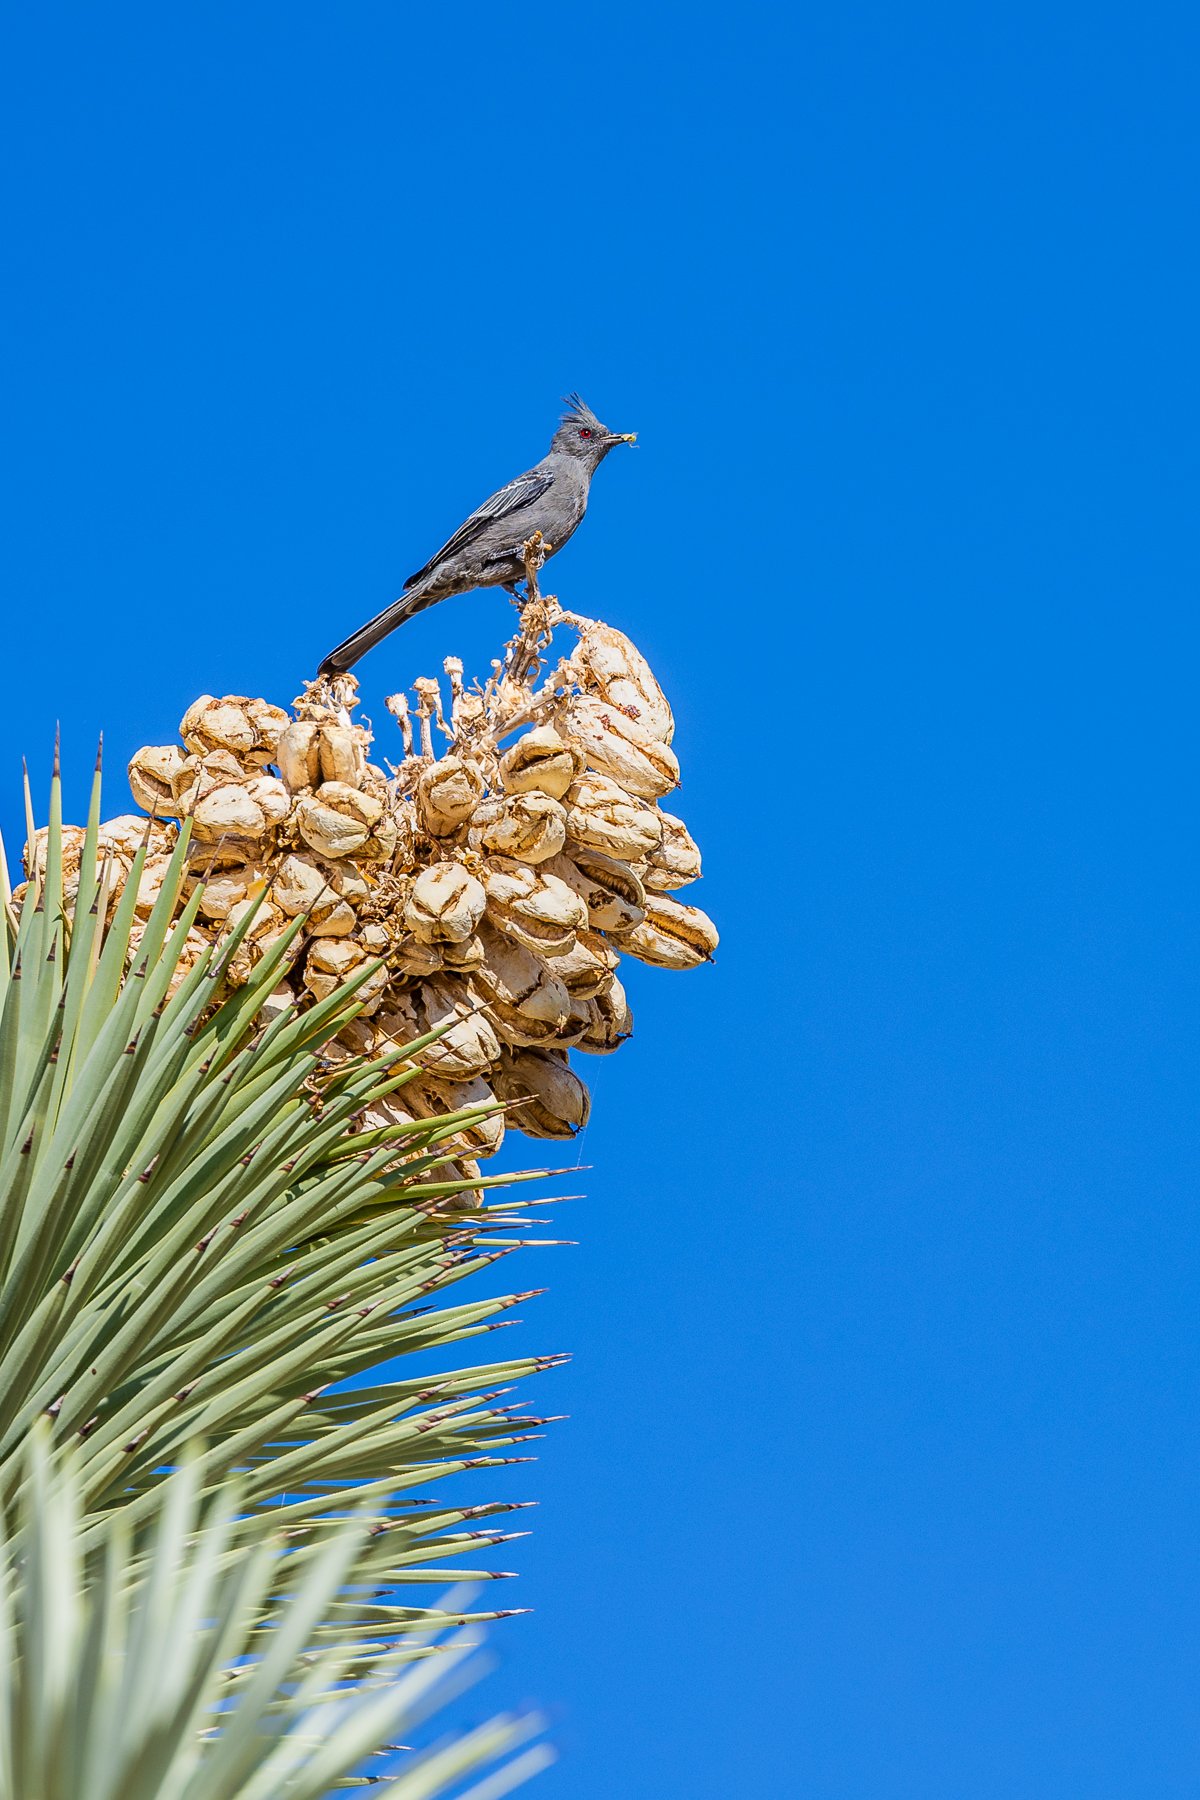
(252, 1048)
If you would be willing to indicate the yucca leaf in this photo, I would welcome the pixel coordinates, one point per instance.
(142, 1671)
(196, 1242)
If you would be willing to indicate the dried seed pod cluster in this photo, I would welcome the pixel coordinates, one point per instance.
(490, 890)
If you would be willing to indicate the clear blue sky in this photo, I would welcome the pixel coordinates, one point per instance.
(881, 1479)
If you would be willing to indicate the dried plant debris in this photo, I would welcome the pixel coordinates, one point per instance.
(491, 879)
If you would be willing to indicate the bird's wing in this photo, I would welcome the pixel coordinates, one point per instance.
(514, 498)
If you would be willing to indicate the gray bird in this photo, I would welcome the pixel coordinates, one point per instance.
(486, 551)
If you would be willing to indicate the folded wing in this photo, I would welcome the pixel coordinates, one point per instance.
(511, 499)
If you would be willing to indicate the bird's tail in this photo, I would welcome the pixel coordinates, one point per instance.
(368, 635)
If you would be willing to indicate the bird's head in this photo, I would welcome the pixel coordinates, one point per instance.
(581, 434)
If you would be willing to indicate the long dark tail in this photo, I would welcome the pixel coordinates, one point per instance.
(368, 635)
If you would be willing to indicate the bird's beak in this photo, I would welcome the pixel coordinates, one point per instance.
(624, 437)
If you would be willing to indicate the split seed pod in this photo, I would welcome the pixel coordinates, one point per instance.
(530, 827)
(676, 862)
(552, 1101)
(447, 794)
(672, 935)
(415, 959)
(623, 677)
(484, 1136)
(332, 961)
(337, 820)
(602, 1023)
(470, 1045)
(299, 755)
(152, 776)
(602, 816)
(539, 910)
(463, 958)
(124, 836)
(303, 885)
(525, 1002)
(540, 760)
(241, 812)
(616, 746)
(445, 905)
(248, 729)
(614, 897)
(587, 968)
(226, 888)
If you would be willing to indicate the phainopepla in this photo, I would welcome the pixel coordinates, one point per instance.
(486, 551)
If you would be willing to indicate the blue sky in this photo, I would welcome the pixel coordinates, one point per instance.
(880, 1481)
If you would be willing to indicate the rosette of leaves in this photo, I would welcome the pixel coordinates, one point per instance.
(197, 1247)
(139, 1668)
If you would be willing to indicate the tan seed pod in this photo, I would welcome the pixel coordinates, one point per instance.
(618, 747)
(269, 792)
(551, 1100)
(245, 811)
(249, 953)
(332, 961)
(337, 820)
(445, 904)
(340, 755)
(280, 1000)
(469, 1046)
(303, 885)
(671, 936)
(374, 990)
(602, 816)
(199, 776)
(602, 1023)
(675, 863)
(34, 858)
(614, 897)
(249, 729)
(299, 755)
(587, 968)
(541, 760)
(529, 827)
(359, 1036)
(525, 1002)
(463, 958)
(124, 836)
(621, 674)
(152, 775)
(434, 1098)
(268, 721)
(381, 845)
(224, 889)
(265, 919)
(415, 958)
(399, 1020)
(390, 1110)
(538, 909)
(447, 794)
(231, 813)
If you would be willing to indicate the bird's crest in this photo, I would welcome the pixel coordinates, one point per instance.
(579, 410)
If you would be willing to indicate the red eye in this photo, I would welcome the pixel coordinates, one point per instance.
(584, 432)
